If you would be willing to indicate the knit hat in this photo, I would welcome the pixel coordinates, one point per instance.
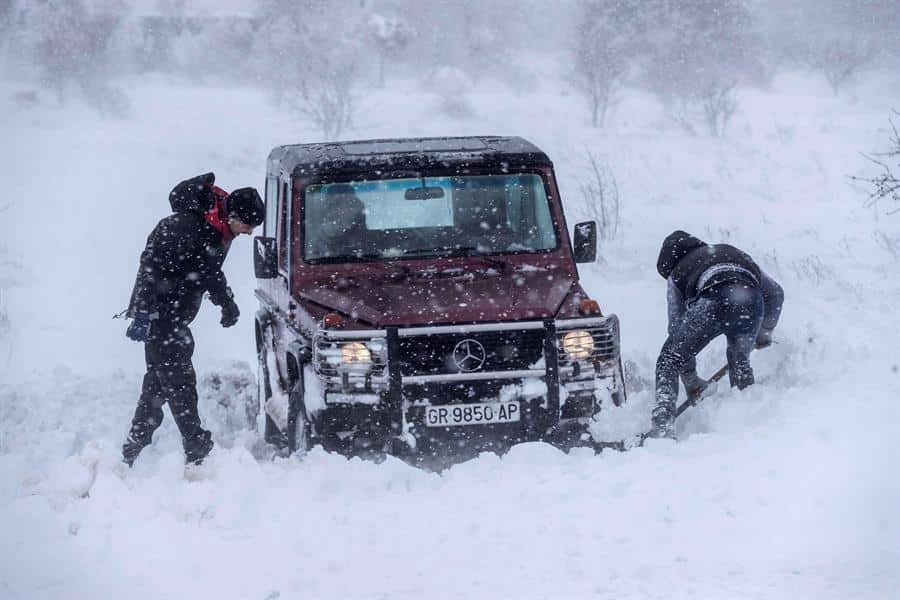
(676, 246)
(245, 205)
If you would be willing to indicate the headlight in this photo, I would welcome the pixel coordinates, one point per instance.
(578, 344)
(355, 353)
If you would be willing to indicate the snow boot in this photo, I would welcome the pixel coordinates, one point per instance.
(663, 421)
(200, 450)
(740, 373)
(130, 450)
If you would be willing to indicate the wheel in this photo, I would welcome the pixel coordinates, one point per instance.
(271, 433)
(619, 397)
(299, 437)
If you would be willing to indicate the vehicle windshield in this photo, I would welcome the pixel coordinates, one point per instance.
(427, 216)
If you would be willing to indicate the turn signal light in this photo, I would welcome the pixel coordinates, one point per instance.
(589, 307)
(332, 321)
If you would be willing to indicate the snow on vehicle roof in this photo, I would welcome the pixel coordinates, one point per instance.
(422, 145)
(401, 153)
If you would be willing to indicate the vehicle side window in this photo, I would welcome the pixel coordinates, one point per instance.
(284, 228)
(271, 206)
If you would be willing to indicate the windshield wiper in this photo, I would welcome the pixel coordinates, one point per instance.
(458, 251)
(346, 258)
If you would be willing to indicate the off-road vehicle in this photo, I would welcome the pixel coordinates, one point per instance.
(421, 295)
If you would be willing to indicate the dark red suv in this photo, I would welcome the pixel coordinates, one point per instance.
(421, 296)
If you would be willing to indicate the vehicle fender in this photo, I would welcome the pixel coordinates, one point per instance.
(263, 318)
(299, 353)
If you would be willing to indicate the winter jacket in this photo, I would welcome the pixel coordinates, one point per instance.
(183, 257)
(692, 266)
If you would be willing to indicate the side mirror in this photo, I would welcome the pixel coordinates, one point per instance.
(265, 257)
(584, 246)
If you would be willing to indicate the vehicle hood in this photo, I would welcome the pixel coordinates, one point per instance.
(442, 297)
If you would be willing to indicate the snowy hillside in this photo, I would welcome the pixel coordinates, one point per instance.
(787, 490)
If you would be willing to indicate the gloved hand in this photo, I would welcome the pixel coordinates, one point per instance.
(230, 313)
(139, 329)
(763, 339)
(694, 385)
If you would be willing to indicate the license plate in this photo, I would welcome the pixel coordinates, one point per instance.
(472, 414)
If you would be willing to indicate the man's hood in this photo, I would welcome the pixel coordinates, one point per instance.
(675, 247)
(447, 296)
(194, 194)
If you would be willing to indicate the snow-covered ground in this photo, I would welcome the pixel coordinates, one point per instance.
(787, 490)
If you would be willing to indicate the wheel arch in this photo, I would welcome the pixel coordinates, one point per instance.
(299, 354)
(262, 320)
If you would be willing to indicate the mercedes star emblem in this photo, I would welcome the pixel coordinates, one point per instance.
(469, 355)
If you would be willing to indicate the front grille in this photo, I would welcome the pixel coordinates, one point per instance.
(506, 350)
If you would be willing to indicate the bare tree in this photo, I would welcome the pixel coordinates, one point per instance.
(695, 49)
(600, 62)
(327, 97)
(312, 60)
(6, 11)
(840, 59)
(711, 103)
(601, 198)
(390, 36)
(719, 103)
(72, 45)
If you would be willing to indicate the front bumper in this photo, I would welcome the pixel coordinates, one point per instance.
(388, 402)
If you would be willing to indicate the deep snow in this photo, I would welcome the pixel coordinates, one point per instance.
(788, 490)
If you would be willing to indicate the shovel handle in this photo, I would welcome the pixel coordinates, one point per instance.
(693, 401)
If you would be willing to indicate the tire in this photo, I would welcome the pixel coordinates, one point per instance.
(619, 397)
(299, 431)
(271, 433)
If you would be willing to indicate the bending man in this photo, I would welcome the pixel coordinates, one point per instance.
(712, 290)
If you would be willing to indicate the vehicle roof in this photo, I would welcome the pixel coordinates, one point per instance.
(403, 154)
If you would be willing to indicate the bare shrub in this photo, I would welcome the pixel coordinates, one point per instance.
(886, 184)
(719, 103)
(451, 85)
(601, 199)
(4, 316)
(813, 269)
(723, 234)
(888, 243)
(10, 271)
(107, 99)
(712, 103)
(840, 59)
(26, 99)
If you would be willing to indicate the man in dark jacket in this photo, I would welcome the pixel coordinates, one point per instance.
(182, 261)
(712, 290)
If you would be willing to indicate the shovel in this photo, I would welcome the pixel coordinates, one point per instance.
(707, 391)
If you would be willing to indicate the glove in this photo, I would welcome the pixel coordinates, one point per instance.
(763, 339)
(230, 313)
(139, 329)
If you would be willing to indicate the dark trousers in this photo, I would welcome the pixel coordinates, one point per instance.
(732, 309)
(170, 378)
